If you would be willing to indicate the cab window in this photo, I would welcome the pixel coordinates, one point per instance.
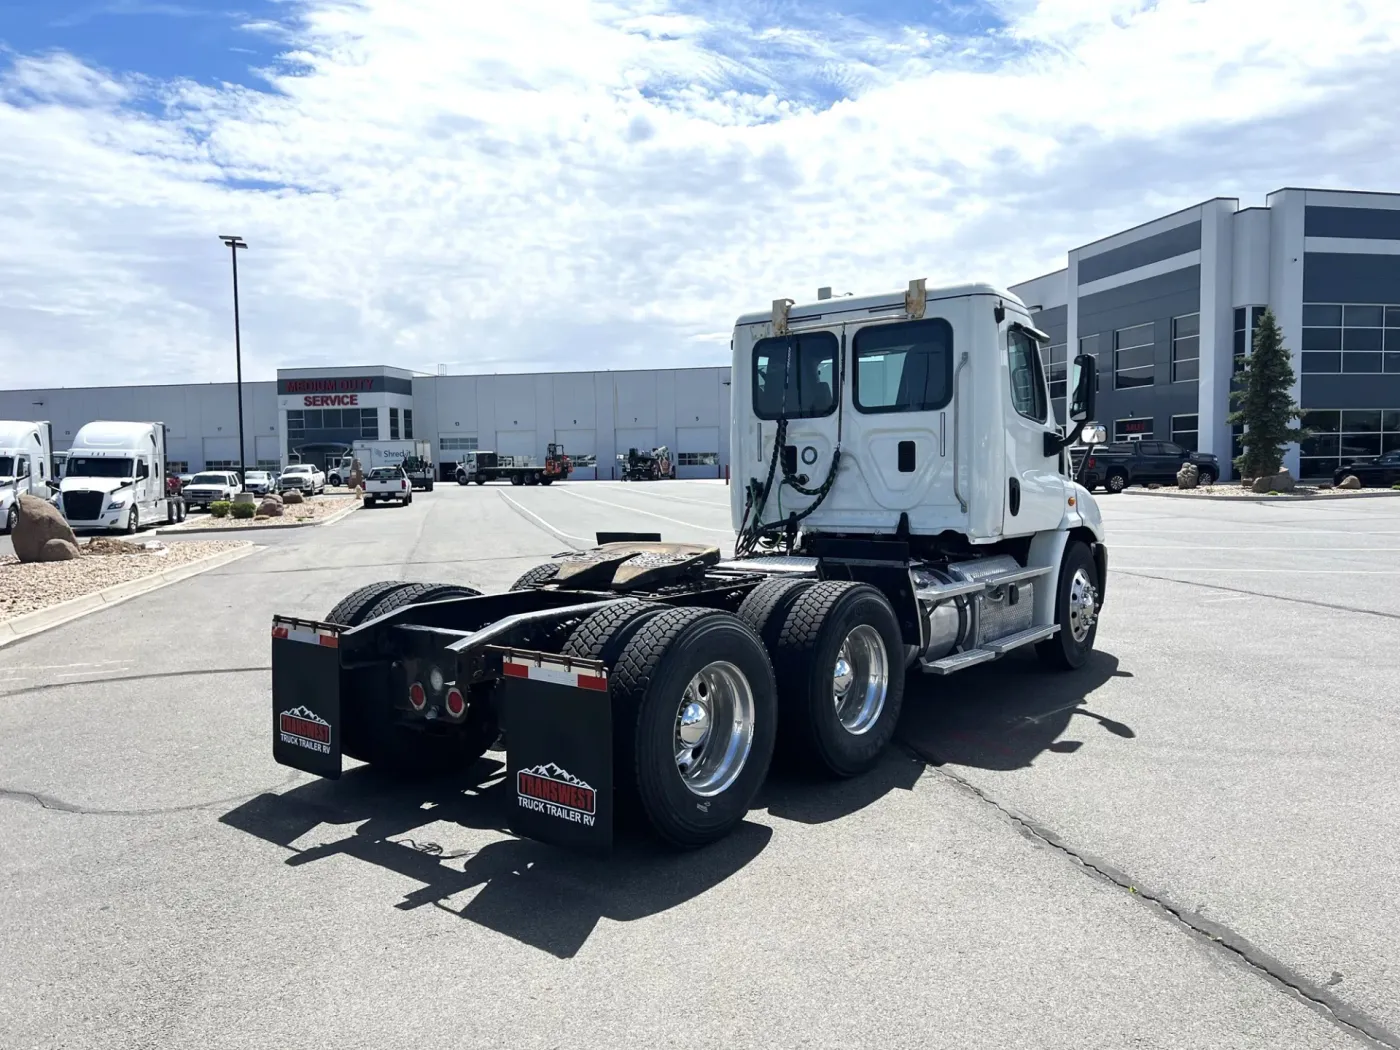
(904, 367)
(1027, 379)
(794, 376)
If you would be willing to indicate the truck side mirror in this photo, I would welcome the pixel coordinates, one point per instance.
(1083, 376)
(1094, 434)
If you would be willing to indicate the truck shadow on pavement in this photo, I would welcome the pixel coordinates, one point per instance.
(999, 717)
(536, 894)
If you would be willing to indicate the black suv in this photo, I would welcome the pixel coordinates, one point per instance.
(1117, 466)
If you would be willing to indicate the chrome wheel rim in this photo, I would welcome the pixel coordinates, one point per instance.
(714, 728)
(1115, 483)
(860, 679)
(1083, 605)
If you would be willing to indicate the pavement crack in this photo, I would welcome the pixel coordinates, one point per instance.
(58, 805)
(1337, 607)
(136, 678)
(1355, 1022)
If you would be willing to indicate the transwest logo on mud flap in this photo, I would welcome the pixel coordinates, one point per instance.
(549, 789)
(305, 728)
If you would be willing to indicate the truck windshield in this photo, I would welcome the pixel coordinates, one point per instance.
(793, 376)
(904, 367)
(7, 466)
(99, 468)
(209, 479)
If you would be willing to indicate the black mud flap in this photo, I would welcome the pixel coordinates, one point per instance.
(306, 723)
(557, 718)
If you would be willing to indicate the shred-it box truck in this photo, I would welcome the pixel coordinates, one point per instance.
(26, 465)
(901, 503)
(415, 457)
(115, 478)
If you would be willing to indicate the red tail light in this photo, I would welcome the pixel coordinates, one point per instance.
(417, 696)
(1091, 461)
(456, 702)
(403, 484)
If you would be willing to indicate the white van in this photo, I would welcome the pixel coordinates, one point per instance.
(115, 478)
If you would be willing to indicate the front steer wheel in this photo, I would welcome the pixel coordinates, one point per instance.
(1077, 598)
(695, 718)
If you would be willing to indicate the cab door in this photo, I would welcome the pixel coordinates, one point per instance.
(1034, 491)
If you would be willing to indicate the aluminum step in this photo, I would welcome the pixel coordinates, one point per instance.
(1020, 638)
(943, 591)
(958, 661)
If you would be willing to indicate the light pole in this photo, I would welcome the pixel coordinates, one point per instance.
(235, 243)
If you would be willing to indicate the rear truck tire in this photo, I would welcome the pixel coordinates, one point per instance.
(606, 633)
(766, 606)
(695, 715)
(350, 610)
(517, 479)
(1076, 611)
(546, 481)
(1115, 481)
(479, 480)
(12, 517)
(170, 517)
(373, 736)
(369, 501)
(540, 574)
(408, 497)
(428, 487)
(840, 662)
(1206, 476)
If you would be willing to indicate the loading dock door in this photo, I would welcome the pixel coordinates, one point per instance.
(516, 443)
(697, 452)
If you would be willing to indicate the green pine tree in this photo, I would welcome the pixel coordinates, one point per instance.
(1264, 403)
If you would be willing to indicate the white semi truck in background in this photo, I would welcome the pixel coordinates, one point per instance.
(114, 478)
(26, 465)
(901, 502)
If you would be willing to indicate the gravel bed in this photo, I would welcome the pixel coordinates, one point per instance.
(314, 509)
(1238, 491)
(26, 588)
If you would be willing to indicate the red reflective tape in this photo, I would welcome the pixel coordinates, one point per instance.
(279, 631)
(516, 670)
(330, 641)
(589, 681)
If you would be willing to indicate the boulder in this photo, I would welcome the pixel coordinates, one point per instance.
(39, 521)
(1280, 482)
(270, 508)
(1188, 477)
(59, 550)
(292, 496)
(1351, 481)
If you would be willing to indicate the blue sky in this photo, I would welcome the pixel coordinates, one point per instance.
(608, 183)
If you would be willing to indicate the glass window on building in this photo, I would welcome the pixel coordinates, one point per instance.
(697, 459)
(270, 465)
(1338, 437)
(1186, 348)
(1133, 357)
(393, 424)
(408, 422)
(177, 466)
(1186, 432)
(1132, 430)
(1056, 371)
(1355, 339)
(457, 443)
(369, 424)
(220, 464)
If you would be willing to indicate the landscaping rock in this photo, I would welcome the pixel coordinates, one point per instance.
(292, 496)
(1188, 477)
(59, 550)
(39, 521)
(107, 545)
(270, 508)
(1281, 482)
(1351, 481)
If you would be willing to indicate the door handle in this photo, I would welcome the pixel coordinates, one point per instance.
(1014, 501)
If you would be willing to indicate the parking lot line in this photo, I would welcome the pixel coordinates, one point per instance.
(565, 536)
(635, 510)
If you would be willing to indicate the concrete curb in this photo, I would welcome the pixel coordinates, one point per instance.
(20, 627)
(262, 528)
(1254, 498)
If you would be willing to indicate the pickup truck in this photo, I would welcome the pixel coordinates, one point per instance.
(1119, 465)
(305, 477)
(210, 486)
(386, 483)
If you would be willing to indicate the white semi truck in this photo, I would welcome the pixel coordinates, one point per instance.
(26, 465)
(115, 478)
(901, 503)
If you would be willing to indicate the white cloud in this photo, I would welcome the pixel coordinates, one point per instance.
(542, 184)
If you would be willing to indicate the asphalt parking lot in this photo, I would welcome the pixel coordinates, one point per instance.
(1191, 842)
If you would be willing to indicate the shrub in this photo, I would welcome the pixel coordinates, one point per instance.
(1396, 486)
(219, 508)
(244, 510)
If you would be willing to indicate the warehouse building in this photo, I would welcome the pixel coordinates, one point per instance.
(313, 414)
(1168, 308)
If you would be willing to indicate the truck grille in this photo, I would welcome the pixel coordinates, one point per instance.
(83, 506)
